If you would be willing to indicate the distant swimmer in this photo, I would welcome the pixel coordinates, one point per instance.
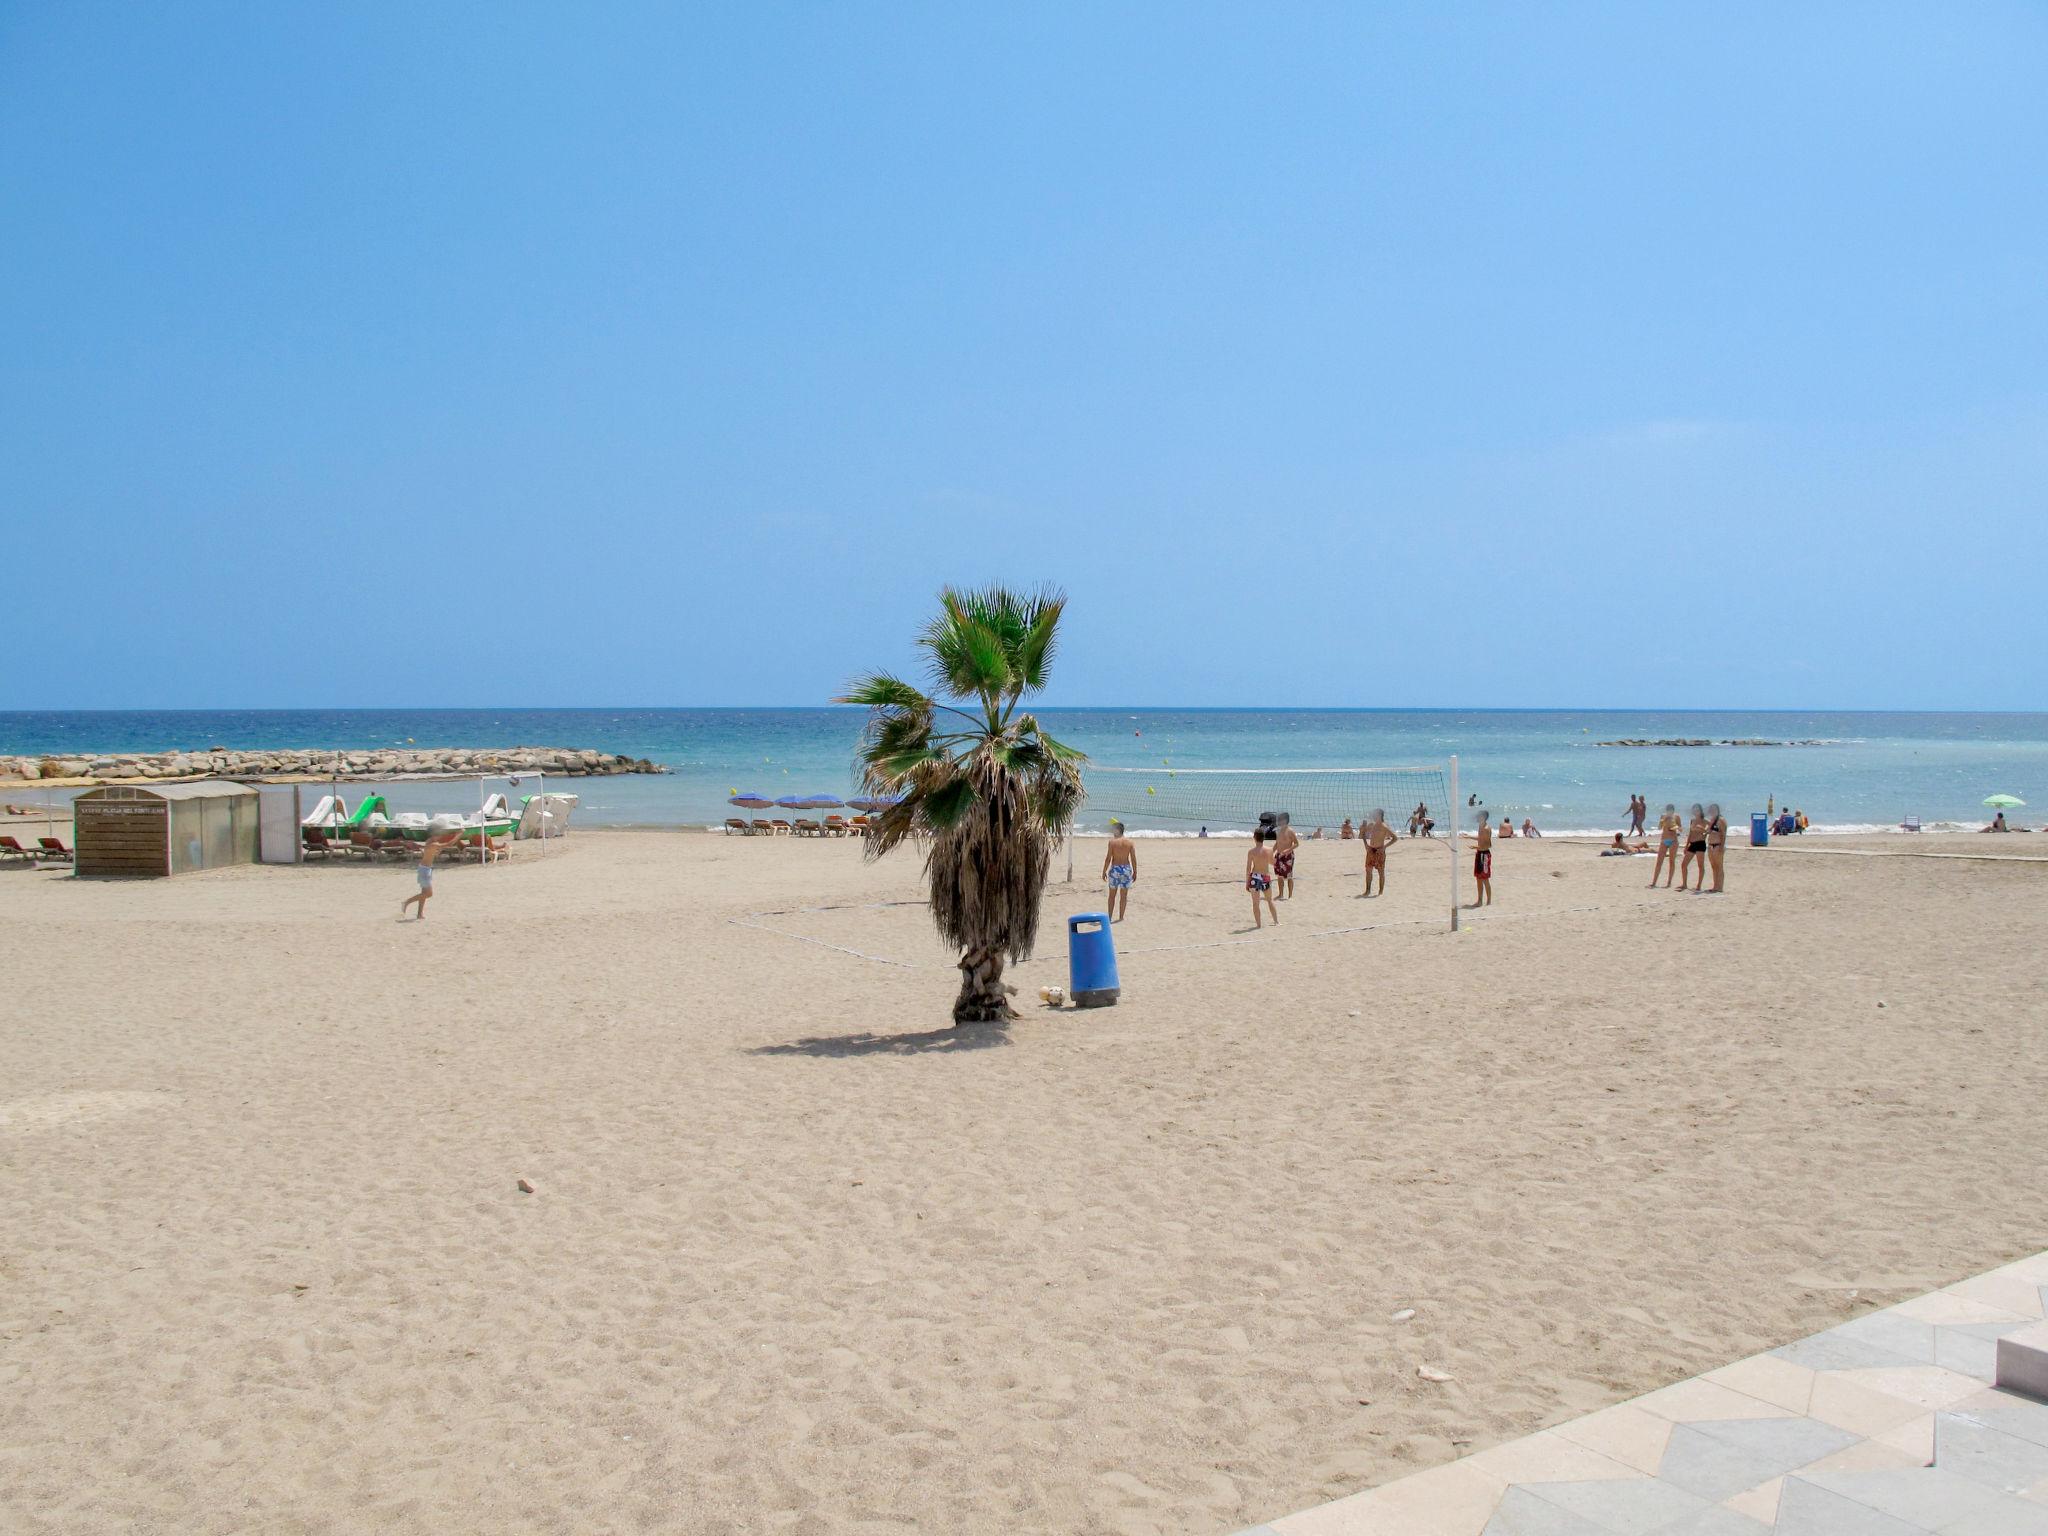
(1119, 871)
(1379, 837)
(1258, 877)
(1285, 843)
(1482, 863)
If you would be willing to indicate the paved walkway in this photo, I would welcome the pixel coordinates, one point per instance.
(1885, 1426)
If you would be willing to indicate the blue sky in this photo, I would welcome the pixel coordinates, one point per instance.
(1503, 355)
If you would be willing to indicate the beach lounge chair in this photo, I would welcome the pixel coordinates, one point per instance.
(807, 828)
(10, 849)
(317, 846)
(362, 843)
(762, 828)
(780, 828)
(859, 826)
(836, 826)
(53, 848)
(734, 824)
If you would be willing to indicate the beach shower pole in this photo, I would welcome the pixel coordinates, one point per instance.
(1454, 842)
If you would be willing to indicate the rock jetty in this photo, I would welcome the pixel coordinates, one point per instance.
(311, 763)
(1701, 741)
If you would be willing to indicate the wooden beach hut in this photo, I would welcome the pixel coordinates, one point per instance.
(164, 829)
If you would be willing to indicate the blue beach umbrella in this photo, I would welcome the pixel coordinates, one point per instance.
(870, 803)
(791, 802)
(753, 800)
(822, 802)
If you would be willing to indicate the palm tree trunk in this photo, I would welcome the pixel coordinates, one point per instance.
(982, 999)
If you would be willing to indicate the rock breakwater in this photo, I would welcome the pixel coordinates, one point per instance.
(316, 763)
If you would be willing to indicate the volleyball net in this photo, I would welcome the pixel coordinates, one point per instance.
(1234, 800)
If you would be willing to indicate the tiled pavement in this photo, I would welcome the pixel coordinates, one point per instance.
(1885, 1426)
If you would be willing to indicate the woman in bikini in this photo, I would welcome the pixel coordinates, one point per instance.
(1667, 846)
(1695, 847)
(1717, 843)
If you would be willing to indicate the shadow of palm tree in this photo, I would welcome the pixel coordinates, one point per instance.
(966, 1037)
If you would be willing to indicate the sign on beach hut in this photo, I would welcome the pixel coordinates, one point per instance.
(164, 829)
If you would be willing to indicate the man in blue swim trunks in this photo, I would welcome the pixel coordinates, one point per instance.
(1119, 871)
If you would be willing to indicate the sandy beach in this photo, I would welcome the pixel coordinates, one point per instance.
(800, 1257)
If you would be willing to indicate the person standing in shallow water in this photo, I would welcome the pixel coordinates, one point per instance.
(1119, 871)
(1482, 862)
(1638, 808)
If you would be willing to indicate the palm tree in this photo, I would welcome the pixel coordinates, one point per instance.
(983, 789)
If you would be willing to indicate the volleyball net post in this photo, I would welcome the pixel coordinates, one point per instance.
(1456, 804)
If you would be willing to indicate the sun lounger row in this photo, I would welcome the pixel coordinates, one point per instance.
(364, 844)
(46, 848)
(831, 826)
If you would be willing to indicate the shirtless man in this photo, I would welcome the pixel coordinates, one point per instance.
(1379, 837)
(1258, 877)
(1119, 871)
(1283, 859)
(1344, 832)
(438, 844)
(1482, 863)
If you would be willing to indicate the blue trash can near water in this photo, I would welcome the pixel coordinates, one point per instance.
(1759, 830)
(1091, 961)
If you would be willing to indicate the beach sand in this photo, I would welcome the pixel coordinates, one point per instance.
(799, 1257)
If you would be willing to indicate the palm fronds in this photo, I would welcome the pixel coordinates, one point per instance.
(984, 790)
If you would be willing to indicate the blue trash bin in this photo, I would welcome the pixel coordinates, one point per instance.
(1091, 960)
(1759, 830)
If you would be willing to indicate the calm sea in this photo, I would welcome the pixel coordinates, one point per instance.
(1872, 769)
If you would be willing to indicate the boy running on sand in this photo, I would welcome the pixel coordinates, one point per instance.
(433, 850)
(1258, 877)
(1283, 858)
(1482, 863)
(1119, 871)
(1379, 837)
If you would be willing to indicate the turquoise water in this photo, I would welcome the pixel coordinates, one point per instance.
(1872, 770)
